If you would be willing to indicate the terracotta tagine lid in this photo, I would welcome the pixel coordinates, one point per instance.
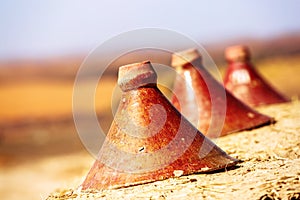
(205, 102)
(149, 139)
(245, 82)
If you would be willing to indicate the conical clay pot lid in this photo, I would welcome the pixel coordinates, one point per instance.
(206, 103)
(149, 139)
(245, 82)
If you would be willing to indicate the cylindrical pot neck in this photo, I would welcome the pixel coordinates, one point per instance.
(137, 75)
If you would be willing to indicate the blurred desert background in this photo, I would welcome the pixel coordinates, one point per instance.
(40, 149)
(39, 145)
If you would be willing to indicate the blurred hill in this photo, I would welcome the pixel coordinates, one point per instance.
(65, 68)
(59, 68)
(260, 48)
(39, 91)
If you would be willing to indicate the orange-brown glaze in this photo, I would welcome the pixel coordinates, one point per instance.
(149, 139)
(206, 103)
(245, 82)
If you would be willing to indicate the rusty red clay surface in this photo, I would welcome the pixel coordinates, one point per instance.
(245, 82)
(149, 139)
(205, 102)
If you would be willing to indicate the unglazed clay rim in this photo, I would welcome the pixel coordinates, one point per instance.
(237, 53)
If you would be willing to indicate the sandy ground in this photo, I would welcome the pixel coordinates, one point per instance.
(271, 167)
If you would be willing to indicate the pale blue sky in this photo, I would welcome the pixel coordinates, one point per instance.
(37, 28)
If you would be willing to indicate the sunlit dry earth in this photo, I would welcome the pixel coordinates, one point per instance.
(40, 150)
(271, 167)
